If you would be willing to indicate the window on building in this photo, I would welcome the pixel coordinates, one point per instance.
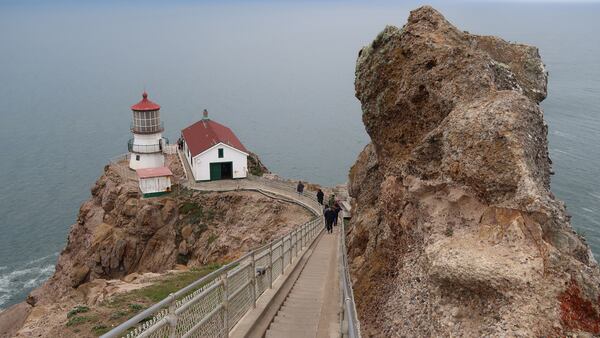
(220, 152)
(137, 157)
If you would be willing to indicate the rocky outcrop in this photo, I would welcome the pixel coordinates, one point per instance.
(455, 230)
(119, 233)
(255, 165)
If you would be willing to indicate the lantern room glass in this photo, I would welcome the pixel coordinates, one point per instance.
(146, 121)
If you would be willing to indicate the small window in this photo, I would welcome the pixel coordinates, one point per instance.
(220, 152)
(137, 157)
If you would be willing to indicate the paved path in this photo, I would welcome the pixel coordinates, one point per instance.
(311, 309)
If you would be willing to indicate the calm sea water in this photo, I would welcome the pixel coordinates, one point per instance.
(281, 75)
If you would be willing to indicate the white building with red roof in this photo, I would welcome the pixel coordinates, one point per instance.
(154, 181)
(213, 152)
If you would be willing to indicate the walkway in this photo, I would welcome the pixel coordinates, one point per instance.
(311, 309)
(289, 287)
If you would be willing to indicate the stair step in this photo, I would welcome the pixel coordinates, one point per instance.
(288, 334)
(305, 327)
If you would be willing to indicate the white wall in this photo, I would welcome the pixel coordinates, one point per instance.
(155, 184)
(153, 160)
(201, 167)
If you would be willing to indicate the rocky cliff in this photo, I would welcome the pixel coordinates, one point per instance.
(455, 230)
(123, 242)
(118, 232)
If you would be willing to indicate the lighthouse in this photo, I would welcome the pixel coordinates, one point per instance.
(147, 143)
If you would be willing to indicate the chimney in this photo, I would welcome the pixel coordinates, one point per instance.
(205, 114)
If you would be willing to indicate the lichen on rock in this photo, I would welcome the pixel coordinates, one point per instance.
(455, 230)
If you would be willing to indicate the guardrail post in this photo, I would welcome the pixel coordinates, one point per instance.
(172, 318)
(282, 253)
(304, 228)
(291, 249)
(225, 306)
(253, 263)
(295, 242)
(271, 265)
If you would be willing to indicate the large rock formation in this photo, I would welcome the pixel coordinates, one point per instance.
(455, 230)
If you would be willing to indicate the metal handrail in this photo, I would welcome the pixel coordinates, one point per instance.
(166, 314)
(147, 148)
(350, 316)
(283, 185)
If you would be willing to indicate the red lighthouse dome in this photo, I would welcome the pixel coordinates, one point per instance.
(145, 104)
(146, 117)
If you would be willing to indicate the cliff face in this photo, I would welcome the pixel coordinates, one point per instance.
(118, 232)
(455, 231)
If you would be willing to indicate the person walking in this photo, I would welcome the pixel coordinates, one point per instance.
(329, 217)
(320, 196)
(336, 210)
(300, 188)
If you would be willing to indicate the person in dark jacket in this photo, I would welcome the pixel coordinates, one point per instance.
(329, 217)
(336, 210)
(320, 196)
(300, 188)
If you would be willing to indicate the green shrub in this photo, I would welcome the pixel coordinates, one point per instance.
(118, 314)
(199, 229)
(194, 213)
(188, 207)
(449, 232)
(77, 320)
(100, 329)
(135, 307)
(77, 309)
(211, 239)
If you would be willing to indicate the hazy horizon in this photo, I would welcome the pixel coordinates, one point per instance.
(279, 74)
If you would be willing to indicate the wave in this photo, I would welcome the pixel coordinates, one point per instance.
(41, 259)
(24, 278)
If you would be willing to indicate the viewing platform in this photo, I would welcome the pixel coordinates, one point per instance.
(147, 148)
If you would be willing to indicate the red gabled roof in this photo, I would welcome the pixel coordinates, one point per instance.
(154, 172)
(204, 134)
(145, 104)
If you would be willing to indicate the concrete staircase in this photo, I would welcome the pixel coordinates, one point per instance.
(305, 312)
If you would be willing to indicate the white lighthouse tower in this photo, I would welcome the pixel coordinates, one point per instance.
(147, 143)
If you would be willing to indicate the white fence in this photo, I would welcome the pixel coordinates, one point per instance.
(212, 305)
(170, 149)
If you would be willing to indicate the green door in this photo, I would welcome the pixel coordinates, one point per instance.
(215, 171)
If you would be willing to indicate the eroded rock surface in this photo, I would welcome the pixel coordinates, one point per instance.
(455, 231)
(119, 233)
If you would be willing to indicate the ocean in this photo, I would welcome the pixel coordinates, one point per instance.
(280, 74)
